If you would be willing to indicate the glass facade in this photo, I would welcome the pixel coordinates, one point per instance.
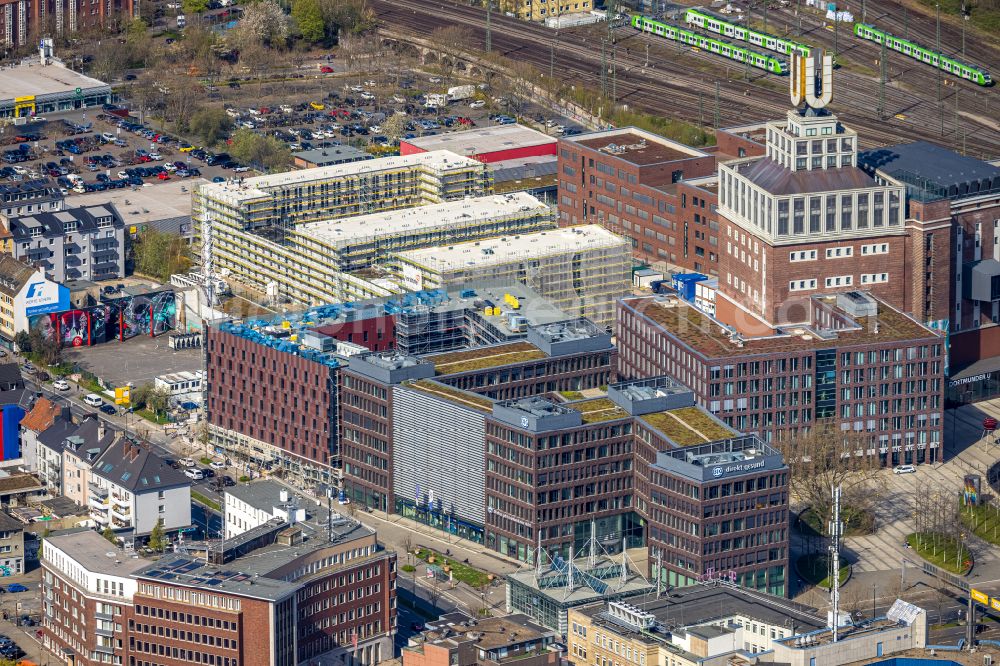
(826, 383)
(440, 520)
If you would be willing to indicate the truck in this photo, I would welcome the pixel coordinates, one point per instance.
(436, 101)
(458, 93)
(181, 20)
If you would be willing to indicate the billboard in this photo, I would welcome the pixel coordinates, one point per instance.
(971, 490)
(43, 296)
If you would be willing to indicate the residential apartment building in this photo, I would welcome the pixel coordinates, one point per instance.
(279, 594)
(131, 489)
(25, 21)
(581, 270)
(539, 10)
(72, 243)
(243, 225)
(25, 291)
(11, 546)
(246, 507)
(38, 419)
(87, 598)
(860, 365)
(455, 639)
(26, 198)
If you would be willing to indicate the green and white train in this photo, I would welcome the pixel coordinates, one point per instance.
(706, 20)
(768, 63)
(925, 55)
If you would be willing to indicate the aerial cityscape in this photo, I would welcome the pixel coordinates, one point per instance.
(461, 332)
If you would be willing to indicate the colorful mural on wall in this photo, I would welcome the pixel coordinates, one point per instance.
(149, 314)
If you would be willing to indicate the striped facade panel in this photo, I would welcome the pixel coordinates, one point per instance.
(439, 454)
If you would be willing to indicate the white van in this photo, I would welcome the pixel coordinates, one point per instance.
(93, 400)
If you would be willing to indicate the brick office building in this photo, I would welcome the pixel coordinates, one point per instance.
(657, 192)
(267, 405)
(86, 599)
(278, 594)
(375, 413)
(953, 220)
(860, 364)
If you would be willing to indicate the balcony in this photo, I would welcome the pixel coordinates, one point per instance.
(120, 524)
(99, 518)
(120, 501)
(104, 632)
(104, 616)
(106, 649)
(121, 514)
(97, 491)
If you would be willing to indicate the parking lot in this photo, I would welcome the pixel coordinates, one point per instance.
(137, 360)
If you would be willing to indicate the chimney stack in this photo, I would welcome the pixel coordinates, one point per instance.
(100, 429)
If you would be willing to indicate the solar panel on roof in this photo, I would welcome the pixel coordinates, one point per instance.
(167, 576)
(197, 581)
(213, 581)
(190, 566)
(154, 572)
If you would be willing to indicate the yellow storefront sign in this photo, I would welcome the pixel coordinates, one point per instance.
(21, 103)
(123, 395)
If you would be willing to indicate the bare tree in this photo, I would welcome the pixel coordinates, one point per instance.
(825, 457)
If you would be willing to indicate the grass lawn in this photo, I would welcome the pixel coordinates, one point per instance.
(983, 521)
(201, 499)
(459, 570)
(90, 385)
(154, 418)
(854, 522)
(941, 550)
(815, 569)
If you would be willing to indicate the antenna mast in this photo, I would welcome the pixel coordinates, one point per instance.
(836, 529)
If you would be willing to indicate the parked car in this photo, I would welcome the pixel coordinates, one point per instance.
(186, 462)
(16, 587)
(217, 464)
(904, 469)
(93, 400)
(108, 409)
(193, 473)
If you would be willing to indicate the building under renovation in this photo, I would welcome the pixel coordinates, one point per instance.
(581, 270)
(241, 224)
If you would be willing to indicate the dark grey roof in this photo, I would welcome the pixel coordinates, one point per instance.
(9, 524)
(54, 436)
(932, 167)
(702, 604)
(778, 180)
(10, 376)
(332, 155)
(133, 466)
(52, 223)
(85, 442)
(29, 190)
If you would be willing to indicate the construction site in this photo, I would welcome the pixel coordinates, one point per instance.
(581, 270)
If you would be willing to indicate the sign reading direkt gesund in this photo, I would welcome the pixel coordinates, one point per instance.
(42, 296)
(709, 471)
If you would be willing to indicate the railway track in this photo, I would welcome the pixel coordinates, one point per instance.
(681, 83)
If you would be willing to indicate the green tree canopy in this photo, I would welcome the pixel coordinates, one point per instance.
(308, 15)
(264, 152)
(159, 254)
(194, 6)
(211, 125)
(109, 534)
(157, 541)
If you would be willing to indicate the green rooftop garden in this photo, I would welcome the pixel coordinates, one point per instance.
(453, 394)
(599, 409)
(485, 357)
(673, 428)
(695, 418)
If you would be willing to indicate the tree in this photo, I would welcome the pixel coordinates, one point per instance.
(394, 127)
(264, 152)
(139, 395)
(158, 400)
(347, 16)
(160, 255)
(263, 22)
(157, 542)
(109, 534)
(308, 14)
(211, 125)
(825, 457)
(194, 6)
